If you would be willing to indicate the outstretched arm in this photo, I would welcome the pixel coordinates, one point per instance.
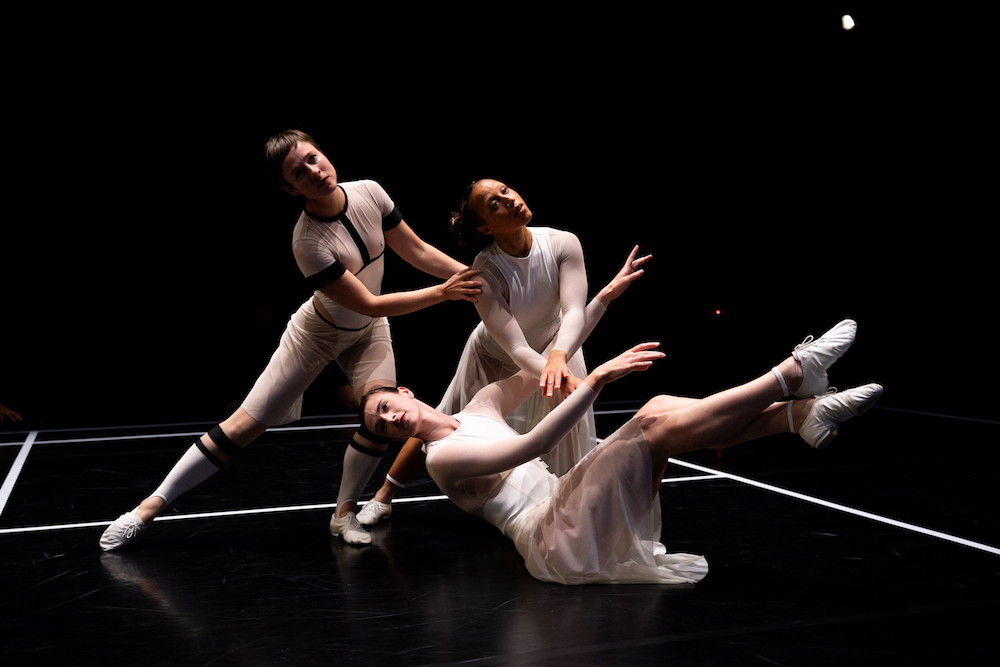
(630, 272)
(461, 460)
(352, 294)
(419, 254)
(550, 367)
(499, 319)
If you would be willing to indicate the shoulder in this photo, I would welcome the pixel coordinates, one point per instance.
(365, 186)
(561, 244)
(558, 235)
(370, 195)
(485, 256)
(304, 228)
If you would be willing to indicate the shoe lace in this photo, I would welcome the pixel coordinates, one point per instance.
(130, 530)
(804, 343)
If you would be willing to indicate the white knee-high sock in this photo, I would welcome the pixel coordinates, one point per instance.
(359, 466)
(192, 469)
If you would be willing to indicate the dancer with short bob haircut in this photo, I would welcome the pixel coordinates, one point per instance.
(339, 243)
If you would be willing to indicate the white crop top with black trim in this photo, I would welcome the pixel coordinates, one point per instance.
(353, 241)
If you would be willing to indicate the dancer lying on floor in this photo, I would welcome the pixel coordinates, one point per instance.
(581, 527)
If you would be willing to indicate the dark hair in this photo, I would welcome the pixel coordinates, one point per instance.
(465, 223)
(277, 149)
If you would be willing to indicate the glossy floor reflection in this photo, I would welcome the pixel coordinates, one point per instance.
(792, 582)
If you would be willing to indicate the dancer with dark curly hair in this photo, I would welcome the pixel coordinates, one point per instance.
(534, 298)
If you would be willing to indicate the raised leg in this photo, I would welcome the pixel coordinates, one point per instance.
(721, 419)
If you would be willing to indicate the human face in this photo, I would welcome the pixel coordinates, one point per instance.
(392, 414)
(500, 207)
(307, 172)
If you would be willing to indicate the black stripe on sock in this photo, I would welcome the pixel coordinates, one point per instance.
(367, 450)
(208, 455)
(222, 441)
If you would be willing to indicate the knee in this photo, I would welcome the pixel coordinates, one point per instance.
(660, 403)
(240, 428)
(665, 403)
(657, 405)
(660, 427)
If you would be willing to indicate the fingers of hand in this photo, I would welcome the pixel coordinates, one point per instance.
(642, 260)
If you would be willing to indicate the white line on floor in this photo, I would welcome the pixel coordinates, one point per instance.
(842, 508)
(15, 470)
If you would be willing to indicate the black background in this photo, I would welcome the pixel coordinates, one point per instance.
(779, 168)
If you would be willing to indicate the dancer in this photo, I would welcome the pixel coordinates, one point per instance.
(580, 527)
(534, 294)
(339, 244)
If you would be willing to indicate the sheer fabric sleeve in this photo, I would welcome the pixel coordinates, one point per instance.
(572, 288)
(591, 316)
(495, 312)
(463, 460)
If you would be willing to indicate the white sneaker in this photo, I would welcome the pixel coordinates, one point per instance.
(373, 512)
(829, 411)
(348, 529)
(122, 531)
(818, 355)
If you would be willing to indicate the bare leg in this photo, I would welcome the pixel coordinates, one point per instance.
(722, 419)
(772, 421)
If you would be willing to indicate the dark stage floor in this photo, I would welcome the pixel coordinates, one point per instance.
(245, 572)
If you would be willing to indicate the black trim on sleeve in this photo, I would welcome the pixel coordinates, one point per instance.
(330, 273)
(392, 220)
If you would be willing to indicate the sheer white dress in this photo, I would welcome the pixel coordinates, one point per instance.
(590, 525)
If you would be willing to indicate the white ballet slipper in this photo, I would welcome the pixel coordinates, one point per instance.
(816, 356)
(348, 529)
(122, 531)
(830, 410)
(373, 512)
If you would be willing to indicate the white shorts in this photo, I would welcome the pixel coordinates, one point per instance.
(308, 344)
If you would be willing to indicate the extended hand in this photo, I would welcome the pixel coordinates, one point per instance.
(630, 272)
(459, 286)
(639, 358)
